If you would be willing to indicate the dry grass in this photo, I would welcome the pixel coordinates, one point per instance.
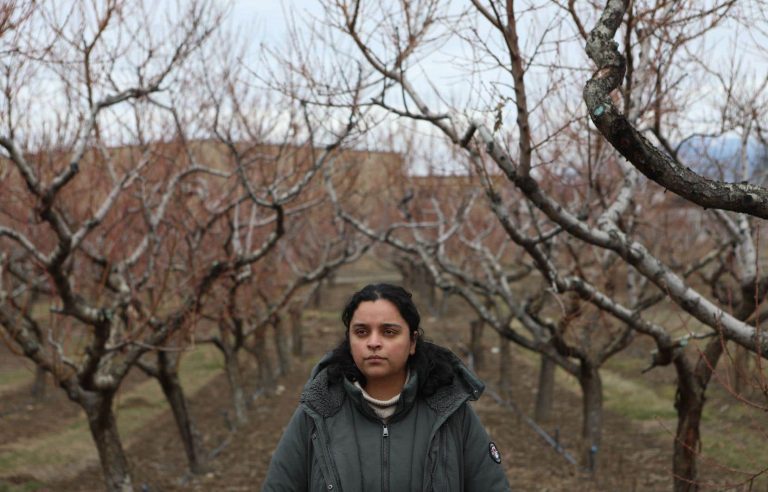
(66, 453)
(733, 433)
(14, 379)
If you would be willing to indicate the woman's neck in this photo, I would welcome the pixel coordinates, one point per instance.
(385, 389)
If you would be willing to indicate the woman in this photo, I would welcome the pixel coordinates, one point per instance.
(386, 411)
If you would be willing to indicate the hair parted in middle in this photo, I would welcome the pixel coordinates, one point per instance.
(401, 298)
(432, 364)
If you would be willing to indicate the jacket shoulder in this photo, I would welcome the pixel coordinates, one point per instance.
(321, 396)
(465, 386)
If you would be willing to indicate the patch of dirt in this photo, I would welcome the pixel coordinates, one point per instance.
(242, 456)
(24, 417)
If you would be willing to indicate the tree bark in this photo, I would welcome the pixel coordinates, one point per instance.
(689, 403)
(442, 303)
(476, 351)
(592, 412)
(505, 359)
(672, 175)
(101, 421)
(740, 369)
(168, 376)
(229, 342)
(316, 299)
(281, 342)
(546, 390)
(417, 278)
(297, 329)
(38, 386)
(258, 349)
(422, 284)
(235, 380)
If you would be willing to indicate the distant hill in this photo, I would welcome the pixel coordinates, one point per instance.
(719, 157)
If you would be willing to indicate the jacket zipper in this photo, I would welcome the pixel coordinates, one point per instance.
(385, 458)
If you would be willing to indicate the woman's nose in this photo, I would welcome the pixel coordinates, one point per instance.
(374, 341)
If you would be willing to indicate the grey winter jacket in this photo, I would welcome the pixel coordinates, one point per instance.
(334, 442)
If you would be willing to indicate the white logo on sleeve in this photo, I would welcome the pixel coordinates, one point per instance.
(494, 452)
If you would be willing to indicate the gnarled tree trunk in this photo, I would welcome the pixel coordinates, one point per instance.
(166, 371)
(316, 298)
(235, 380)
(38, 386)
(297, 329)
(592, 412)
(476, 352)
(229, 342)
(168, 376)
(740, 369)
(505, 360)
(281, 342)
(258, 348)
(101, 421)
(546, 389)
(689, 402)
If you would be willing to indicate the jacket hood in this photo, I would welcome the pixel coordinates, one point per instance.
(326, 398)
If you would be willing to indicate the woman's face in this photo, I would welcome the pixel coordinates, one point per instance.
(380, 341)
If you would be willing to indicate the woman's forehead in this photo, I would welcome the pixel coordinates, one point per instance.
(380, 311)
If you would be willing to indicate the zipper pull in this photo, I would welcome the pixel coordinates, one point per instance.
(385, 431)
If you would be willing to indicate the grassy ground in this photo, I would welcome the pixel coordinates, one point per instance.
(71, 449)
(14, 379)
(734, 433)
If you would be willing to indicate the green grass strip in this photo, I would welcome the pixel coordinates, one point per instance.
(72, 449)
(13, 379)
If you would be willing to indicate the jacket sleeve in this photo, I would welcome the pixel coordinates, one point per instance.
(481, 471)
(289, 469)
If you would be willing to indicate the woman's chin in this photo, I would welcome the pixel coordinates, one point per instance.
(372, 373)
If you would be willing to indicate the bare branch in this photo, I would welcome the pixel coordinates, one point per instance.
(654, 164)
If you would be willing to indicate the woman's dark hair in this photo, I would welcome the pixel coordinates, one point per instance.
(433, 364)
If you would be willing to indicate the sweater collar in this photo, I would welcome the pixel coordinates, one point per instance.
(405, 401)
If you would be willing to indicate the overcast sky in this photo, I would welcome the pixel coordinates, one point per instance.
(265, 21)
(268, 17)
